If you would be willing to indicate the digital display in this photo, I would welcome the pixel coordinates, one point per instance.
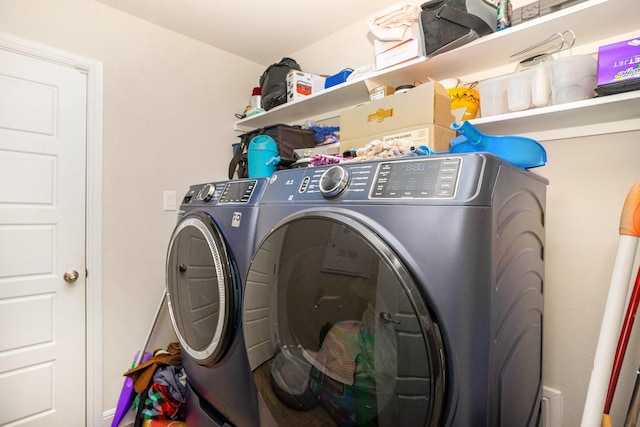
(417, 179)
(237, 192)
(414, 167)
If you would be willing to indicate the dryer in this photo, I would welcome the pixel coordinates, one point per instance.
(207, 258)
(405, 293)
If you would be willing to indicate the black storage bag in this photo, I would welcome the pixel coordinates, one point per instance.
(273, 82)
(447, 24)
(239, 164)
(288, 138)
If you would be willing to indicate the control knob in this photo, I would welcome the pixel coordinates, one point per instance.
(206, 193)
(334, 181)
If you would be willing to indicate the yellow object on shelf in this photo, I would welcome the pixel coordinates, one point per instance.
(466, 98)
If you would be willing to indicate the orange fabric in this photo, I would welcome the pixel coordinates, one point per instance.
(142, 375)
(630, 219)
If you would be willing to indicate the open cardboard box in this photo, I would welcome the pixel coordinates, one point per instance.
(426, 107)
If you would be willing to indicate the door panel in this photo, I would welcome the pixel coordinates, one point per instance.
(201, 288)
(42, 235)
(32, 176)
(336, 330)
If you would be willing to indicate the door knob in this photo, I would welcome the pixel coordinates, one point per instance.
(70, 276)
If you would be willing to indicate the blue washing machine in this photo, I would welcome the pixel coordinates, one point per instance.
(405, 293)
(208, 256)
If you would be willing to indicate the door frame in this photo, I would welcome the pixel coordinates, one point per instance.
(93, 213)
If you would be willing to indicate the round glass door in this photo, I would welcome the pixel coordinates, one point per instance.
(337, 331)
(200, 288)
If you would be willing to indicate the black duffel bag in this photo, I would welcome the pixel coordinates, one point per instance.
(448, 24)
(273, 82)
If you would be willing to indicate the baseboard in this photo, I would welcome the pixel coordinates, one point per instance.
(107, 417)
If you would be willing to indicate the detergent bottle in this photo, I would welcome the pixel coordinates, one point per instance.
(255, 102)
(262, 156)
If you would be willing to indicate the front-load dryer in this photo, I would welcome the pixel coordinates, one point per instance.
(207, 258)
(399, 293)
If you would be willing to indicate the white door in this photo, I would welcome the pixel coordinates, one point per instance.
(43, 135)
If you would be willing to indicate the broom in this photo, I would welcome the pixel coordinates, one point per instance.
(127, 394)
(621, 349)
(614, 308)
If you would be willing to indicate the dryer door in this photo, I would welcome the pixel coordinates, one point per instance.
(336, 329)
(201, 288)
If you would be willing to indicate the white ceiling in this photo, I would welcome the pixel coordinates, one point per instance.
(262, 31)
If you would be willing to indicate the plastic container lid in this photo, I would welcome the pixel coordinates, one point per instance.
(404, 88)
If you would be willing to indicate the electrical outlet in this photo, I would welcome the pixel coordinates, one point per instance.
(169, 201)
(551, 407)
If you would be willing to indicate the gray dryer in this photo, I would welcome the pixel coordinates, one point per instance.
(405, 293)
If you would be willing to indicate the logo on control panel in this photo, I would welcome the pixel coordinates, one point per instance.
(237, 217)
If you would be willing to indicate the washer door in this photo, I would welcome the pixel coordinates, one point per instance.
(201, 280)
(337, 331)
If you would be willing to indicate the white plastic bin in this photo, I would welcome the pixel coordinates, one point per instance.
(554, 82)
(541, 85)
(519, 91)
(573, 78)
(493, 97)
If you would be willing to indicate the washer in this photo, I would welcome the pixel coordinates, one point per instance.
(404, 293)
(207, 259)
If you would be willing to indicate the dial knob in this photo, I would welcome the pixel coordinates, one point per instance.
(206, 193)
(334, 181)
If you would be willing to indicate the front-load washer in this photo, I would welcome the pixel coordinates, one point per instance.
(207, 258)
(399, 293)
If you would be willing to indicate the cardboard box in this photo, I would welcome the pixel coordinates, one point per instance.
(380, 92)
(424, 105)
(390, 53)
(618, 62)
(301, 85)
(437, 138)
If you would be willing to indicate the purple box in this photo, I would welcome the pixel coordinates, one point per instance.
(619, 62)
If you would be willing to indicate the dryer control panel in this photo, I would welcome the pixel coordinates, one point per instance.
(226, 192)
(436, 178)
(432, 179)
(237, 192)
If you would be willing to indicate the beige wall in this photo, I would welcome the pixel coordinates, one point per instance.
(168, 111)
(589, 180)
(169, 105)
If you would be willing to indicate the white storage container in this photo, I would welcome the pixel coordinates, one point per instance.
(519, 91)
(554, 82)
(573, 78)
(493, 96)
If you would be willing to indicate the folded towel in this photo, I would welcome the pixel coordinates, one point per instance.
(391, 24)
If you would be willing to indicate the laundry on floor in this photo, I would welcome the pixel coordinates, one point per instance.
(160, 386)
